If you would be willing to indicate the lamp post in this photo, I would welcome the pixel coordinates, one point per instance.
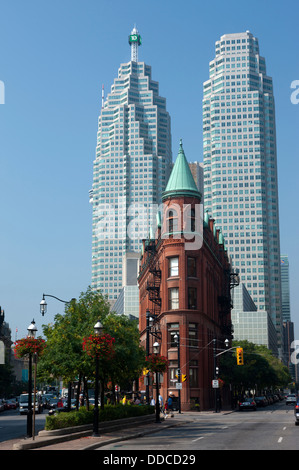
(147, 353)
(216, 369)
(43, 304)
(215, 374)
(151, 320)
(177, 340)
(98, 330)
(43, 309)
(156, 349)
(31, 334)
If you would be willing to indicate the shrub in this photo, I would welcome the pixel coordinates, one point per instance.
(82, 416)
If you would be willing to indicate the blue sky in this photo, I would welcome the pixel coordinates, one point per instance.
(54, 58)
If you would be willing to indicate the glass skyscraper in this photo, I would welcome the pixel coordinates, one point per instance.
(240, 168)
(131, 169)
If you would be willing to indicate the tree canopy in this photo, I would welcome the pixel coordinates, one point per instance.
(261, 369)
(64, 356)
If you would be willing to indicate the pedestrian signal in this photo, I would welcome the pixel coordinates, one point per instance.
(240, 360)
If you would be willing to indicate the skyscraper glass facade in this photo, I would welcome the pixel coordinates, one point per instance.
(240, 169)
(285, 288)
(131, 169)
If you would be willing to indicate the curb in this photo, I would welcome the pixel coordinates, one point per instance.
(45, 438)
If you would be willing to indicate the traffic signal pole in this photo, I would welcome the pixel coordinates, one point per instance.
(179, 372)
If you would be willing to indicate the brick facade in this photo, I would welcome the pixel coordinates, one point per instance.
(189, 291)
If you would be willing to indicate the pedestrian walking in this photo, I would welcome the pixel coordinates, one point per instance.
(169, 402)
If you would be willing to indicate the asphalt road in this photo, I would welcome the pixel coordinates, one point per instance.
(14, 426)
(270, 428)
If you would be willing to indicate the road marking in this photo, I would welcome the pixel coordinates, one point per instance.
(194, 440)
(279, 440)
(284, 428)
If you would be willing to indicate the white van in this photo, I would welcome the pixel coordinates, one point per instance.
(23, 404)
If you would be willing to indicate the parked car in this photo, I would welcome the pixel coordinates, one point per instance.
(296, 412)
(247, 404)
(92, 401)
(291, 399)
(46, 399)
(65, 404)
(270, 399)
(10, 405)
(52, 404)
(260, 401)
(2, 408)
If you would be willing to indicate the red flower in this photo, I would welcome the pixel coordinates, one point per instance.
(101, 345)
(157, 363)
(29, 345)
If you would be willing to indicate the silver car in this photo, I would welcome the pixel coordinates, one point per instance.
(291, 399)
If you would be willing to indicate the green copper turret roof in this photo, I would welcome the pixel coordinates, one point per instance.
(181, 181)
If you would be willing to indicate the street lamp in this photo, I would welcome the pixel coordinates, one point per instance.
(215, 376)
(216, 371)
(98, 330)
(177, 341)
(43, 309)
(151, 320)
(43, 303)
(148, 313)
(156, 349)
(31, 334)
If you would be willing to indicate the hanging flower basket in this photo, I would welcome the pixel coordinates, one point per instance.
(26, 346)
(101, 346)
(157, 363)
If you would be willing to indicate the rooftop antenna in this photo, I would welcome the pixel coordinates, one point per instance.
(102, 96)
(134, 41)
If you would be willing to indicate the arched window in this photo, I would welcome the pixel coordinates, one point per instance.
(172, 221)
(192, 220)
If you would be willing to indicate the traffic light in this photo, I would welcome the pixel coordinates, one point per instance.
(240, 360)
(184, 377)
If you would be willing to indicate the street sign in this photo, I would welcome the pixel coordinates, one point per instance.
(179, 386)
(215, 383)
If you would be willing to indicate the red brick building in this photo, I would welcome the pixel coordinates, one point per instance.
(184, 282)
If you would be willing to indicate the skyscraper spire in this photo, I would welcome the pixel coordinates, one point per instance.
(134, 41)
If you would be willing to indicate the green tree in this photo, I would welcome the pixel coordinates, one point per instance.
(129, 356)
(261, 369)
(64, 356)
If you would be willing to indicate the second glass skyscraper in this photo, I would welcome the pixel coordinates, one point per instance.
(240, 168)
